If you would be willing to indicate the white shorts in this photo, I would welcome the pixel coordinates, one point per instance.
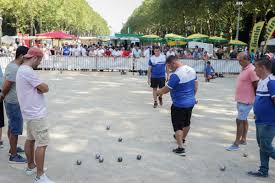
(38, 130)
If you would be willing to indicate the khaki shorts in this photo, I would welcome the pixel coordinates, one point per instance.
(37, 129)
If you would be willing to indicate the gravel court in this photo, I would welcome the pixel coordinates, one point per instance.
(82, 104)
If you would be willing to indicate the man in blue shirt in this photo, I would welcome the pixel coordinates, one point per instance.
(208, 72)
(264, 109)
(66, 50)
(252, 56)
(183, 86)
(157, 74)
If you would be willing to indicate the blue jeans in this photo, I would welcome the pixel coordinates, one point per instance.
(15, 118)
(265, 135)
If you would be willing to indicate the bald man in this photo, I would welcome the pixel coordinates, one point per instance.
(245, 95)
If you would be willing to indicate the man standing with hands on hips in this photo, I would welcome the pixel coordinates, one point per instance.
(30, 91)
(183, 86)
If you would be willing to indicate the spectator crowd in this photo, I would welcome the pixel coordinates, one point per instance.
(97, 50)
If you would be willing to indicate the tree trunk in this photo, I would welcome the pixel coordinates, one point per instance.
(254, 19)
(31, 27)
(17, 27)
(40, 26)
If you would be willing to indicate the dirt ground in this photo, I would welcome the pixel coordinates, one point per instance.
(80, 105)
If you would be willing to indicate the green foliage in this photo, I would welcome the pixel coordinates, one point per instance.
(185, 17)
(35, 16)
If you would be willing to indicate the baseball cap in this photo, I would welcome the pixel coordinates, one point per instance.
(269, 56)
(34, 52)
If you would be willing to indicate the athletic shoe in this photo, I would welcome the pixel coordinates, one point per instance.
(32, 171)
(17, 159)
(18, 150)
(243, 143)
(179, 151)
(155, 104)
(42, 179)
(183, 141)
(1, 145)
(258, 174)
(233, 147)
(160, 101)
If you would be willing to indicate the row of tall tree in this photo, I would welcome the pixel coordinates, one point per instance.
(184, 17)
(36, 16)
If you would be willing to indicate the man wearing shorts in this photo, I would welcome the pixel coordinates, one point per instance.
(157, 74)
(12, 105)
(208, 72)
(245, 96)
(183, 86)
(30, 91)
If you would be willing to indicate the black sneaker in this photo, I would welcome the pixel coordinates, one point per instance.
(160, 101)
(179, 151)
(183, 140)
(155, 104)
(1, 144)
(17, 159)
(258, 174)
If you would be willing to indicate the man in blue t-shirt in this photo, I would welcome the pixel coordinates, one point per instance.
(208, 72)
(183, 86)
(157, 74)
(264, 109)
(252, 56)
(66, 50)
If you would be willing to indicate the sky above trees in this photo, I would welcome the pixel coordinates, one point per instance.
(115, 12)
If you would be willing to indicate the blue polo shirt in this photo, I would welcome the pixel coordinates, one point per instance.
(208, 70)
(158, 65)
(66, 51)
(264, 108)
(182, 87)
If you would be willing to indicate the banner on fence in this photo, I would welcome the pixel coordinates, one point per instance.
(257, 29)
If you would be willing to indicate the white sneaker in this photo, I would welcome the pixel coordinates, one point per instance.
(33, 171)
(43, 179)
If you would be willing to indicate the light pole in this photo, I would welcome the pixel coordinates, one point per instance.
(1, 20)
(239, 4)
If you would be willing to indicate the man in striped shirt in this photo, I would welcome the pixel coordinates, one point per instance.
(264, 108)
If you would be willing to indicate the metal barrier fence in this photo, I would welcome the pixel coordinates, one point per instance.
(119, 63)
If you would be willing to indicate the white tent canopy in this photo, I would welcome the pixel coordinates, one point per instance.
(207, 47)
(271, 42)
(8, 39)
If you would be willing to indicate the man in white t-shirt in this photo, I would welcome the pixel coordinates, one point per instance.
(30, 92)
(83, 51)
(116, 52)
(170, 52)
(147, 53)
(100, 52)
(78, 51)
(74, 50)
(136, 52)
(92, 52)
